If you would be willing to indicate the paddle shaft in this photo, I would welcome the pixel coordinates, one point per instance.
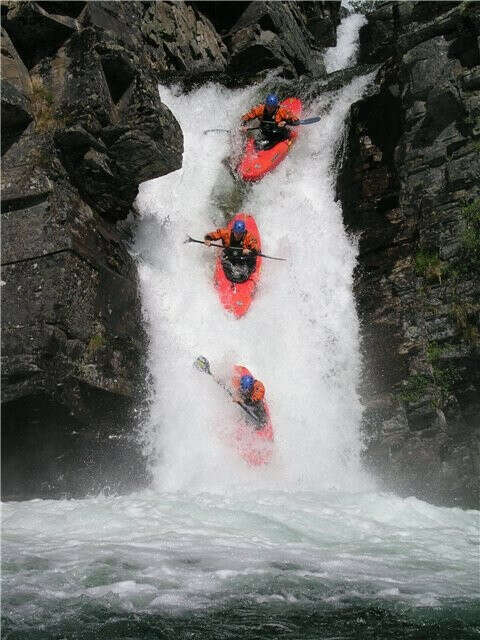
(206, 369)
(232, 395)
(219, 246)
(290, 124)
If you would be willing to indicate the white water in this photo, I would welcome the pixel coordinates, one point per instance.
(300, 336)
(151, 553)
(344, 53)
(308, 530)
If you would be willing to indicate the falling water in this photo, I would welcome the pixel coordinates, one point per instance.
(305, 547)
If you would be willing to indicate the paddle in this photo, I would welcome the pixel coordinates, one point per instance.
(219, 246)
(203, 365)
(306, 121)
(227, 130)
(290, 124)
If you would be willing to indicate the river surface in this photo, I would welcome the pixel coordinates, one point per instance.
(306, 547)
(252, 564)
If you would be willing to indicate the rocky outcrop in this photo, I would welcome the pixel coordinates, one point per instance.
(322, 19)
(410, 185)
(257, 37)
(180, 39)
(273, 35)
(16, 90)
(82, 126)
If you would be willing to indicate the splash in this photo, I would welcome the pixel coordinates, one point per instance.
(300, 336)
(344, 54)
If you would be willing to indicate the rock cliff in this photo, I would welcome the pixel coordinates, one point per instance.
(84, 126)
(410, 187)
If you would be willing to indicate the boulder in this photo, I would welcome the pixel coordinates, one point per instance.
(410, 167)
(322, 20)
(180, 38)
(16, 89)
(35, 32)
(270, 35)
(82, 126)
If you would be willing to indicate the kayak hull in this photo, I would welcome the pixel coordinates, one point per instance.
(255, 164)
(254, 446)
(237, 297)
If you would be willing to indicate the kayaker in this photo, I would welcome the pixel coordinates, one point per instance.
(273, 119)
(251, 392)
(240, 256)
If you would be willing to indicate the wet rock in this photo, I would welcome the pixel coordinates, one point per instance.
(102, 89)
(16, 91)
(16, 114)
(270, 35)
(180, 38)
(35, 32)
(377, 40)
(404, 185)
(89, 127)
(73, 348)
(322, 19)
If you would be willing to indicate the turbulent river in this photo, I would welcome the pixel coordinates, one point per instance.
(304, 548)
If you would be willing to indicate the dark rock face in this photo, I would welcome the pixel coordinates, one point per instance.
(82, 126)
(322, 19)
(236, 43)
(180, 39)
(16, 88)
(410, 183)
(223, 14)
(273, 35)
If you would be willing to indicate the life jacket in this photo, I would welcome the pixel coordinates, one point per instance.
(237, 257)
(236, 243)
(255, 395)
(269, 117)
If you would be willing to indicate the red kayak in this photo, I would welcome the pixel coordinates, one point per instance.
(254, 445)
(255, 164)
(237, 296)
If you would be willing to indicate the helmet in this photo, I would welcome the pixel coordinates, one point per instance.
(272, 100)
(239, 226)
(246, 382)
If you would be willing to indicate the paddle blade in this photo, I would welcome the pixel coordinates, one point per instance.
(216, 131)
(202, 364)
(310, 120)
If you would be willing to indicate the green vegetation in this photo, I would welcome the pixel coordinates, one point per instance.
(97, 341)
(445, 379)
(42, 106)
(429, 266)
(414, 388)
(434, 351)
(471, 232)
(465, 314)
(438, 384)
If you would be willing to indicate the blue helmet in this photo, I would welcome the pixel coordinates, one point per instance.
(246, 382)
(272, 100)
(239, 226)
